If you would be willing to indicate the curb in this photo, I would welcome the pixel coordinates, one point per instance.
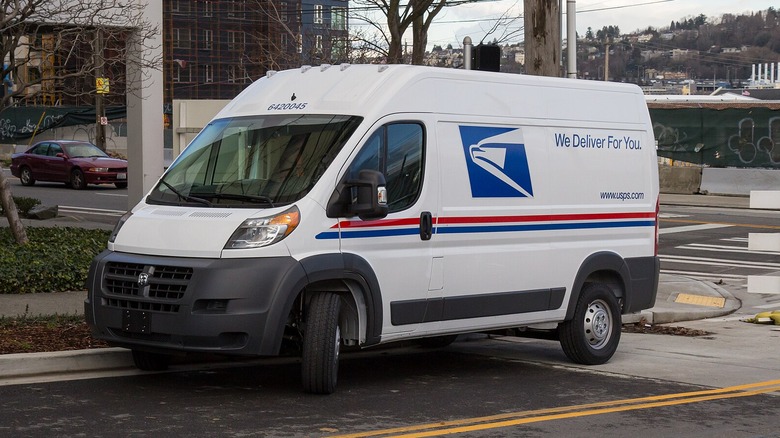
(23, 365)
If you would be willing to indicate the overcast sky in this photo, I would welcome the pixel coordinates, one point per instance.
(474, 20)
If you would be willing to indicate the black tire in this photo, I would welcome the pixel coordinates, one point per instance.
(122, 185)
(593, 335)
(321, 344)
(26, 177)
(147, 361)
(436, 341)
(77, 180)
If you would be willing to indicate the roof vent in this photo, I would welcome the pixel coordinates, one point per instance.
(305, 68)
(344, 66)
(382, 68)
(270, 73)
(324, 67)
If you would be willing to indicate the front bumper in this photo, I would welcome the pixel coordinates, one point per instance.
(170, 304)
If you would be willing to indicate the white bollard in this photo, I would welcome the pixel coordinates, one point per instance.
(765, 199)
(764, 284)
(764, 242)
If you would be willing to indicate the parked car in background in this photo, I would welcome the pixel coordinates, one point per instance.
(76, 163)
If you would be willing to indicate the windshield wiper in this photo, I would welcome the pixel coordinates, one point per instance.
(242, 197)
(186, 197)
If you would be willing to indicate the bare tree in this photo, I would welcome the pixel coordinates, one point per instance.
(398, 17)
(48, 49)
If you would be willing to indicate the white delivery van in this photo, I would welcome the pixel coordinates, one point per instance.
(360, 205)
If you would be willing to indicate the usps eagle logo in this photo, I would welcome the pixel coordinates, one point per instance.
(497, 162)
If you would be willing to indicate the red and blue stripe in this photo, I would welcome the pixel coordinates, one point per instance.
(357, 229)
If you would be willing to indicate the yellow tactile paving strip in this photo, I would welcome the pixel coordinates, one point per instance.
(700, 300)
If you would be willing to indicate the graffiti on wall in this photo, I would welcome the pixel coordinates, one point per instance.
(733, 137)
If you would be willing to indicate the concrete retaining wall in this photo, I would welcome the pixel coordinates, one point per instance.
(679, 180)
(729, 181)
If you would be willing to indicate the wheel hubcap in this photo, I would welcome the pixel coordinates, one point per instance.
(598, 324)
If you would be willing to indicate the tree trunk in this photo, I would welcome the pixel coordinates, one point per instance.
(419, 41)
(542, 38)
(11, 213)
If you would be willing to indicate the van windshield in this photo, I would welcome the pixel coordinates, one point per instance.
(254, 161)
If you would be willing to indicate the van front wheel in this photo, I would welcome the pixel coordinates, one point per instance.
(321, 342)
(592, 336)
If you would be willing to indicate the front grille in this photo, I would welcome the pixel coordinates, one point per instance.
(162, 286)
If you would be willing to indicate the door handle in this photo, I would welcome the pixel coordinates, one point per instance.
(426, 225)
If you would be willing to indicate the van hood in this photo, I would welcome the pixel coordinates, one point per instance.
(182, 231)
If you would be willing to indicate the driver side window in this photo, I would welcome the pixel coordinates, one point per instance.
(397, 151)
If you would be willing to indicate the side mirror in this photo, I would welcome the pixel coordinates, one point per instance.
(365, 197)
(61, 155)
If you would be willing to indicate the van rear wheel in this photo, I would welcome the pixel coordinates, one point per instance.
(321, 344)
(592, 336)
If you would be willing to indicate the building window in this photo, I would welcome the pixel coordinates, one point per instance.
(338, 18)
(338, 48)
(235, 40)
(180, 6)
(283, 41)
(208, 9)
(180, 71)
(318, 43)
(207, 39)
(208, 73)
(181, 38)
(317, 14)
(300, 44)
(283, 11)
(236, 9)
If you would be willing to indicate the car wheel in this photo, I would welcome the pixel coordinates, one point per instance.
(321, 342)
(25, 176)
(77, 180)
(121, 185)
(147, 361)
(592, 336)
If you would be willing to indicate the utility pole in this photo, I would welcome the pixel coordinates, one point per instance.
(100, 129)
(542, 20)
(606, 62)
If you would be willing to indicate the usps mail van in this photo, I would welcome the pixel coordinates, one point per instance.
(360, 205)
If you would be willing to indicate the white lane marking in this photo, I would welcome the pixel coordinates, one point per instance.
(707, 275)
(90, 209)
(719, 262)
(768, 306)
(725, 248)
(113, 194)
(688, 228)
(671, 215)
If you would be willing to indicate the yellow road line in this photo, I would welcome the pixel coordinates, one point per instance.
(733, 224)
(539, 415)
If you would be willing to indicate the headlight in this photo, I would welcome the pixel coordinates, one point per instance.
(118, 225)
(97, 169)
(257, 232)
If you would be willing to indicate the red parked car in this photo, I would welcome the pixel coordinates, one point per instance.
(76, 163)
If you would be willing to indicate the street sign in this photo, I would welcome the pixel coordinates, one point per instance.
(102, 85)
